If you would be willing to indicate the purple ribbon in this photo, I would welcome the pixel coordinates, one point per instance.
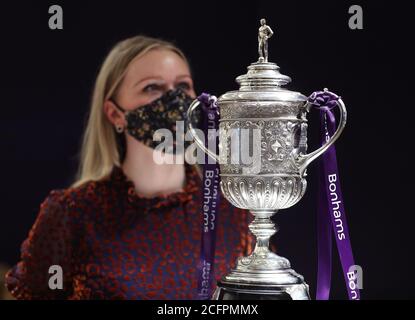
(211, 199)
(331, 213)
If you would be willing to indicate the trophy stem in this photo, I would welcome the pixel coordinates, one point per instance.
(263, 229)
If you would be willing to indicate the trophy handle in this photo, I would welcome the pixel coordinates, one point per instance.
(193, 133)
(306, 159)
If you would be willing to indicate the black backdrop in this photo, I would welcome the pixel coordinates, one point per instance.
(47, 77)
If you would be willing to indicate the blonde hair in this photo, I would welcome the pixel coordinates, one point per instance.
(99, 151)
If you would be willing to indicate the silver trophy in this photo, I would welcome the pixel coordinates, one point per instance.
(275, 119)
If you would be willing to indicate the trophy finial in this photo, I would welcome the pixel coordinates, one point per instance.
(264, 33)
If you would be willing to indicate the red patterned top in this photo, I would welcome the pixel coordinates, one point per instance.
(112, 243)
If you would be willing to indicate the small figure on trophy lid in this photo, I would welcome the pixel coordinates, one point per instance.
(264, 33)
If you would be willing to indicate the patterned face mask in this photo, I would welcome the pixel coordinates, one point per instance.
(162, 113)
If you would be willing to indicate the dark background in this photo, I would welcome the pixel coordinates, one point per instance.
(47, 78)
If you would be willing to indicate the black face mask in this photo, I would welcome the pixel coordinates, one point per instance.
(162, 113)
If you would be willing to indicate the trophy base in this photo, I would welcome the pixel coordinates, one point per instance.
(253, 292)
(277, 285)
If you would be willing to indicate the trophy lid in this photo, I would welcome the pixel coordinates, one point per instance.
(263, 81)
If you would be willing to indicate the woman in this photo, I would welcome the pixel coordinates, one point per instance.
(128, 228)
